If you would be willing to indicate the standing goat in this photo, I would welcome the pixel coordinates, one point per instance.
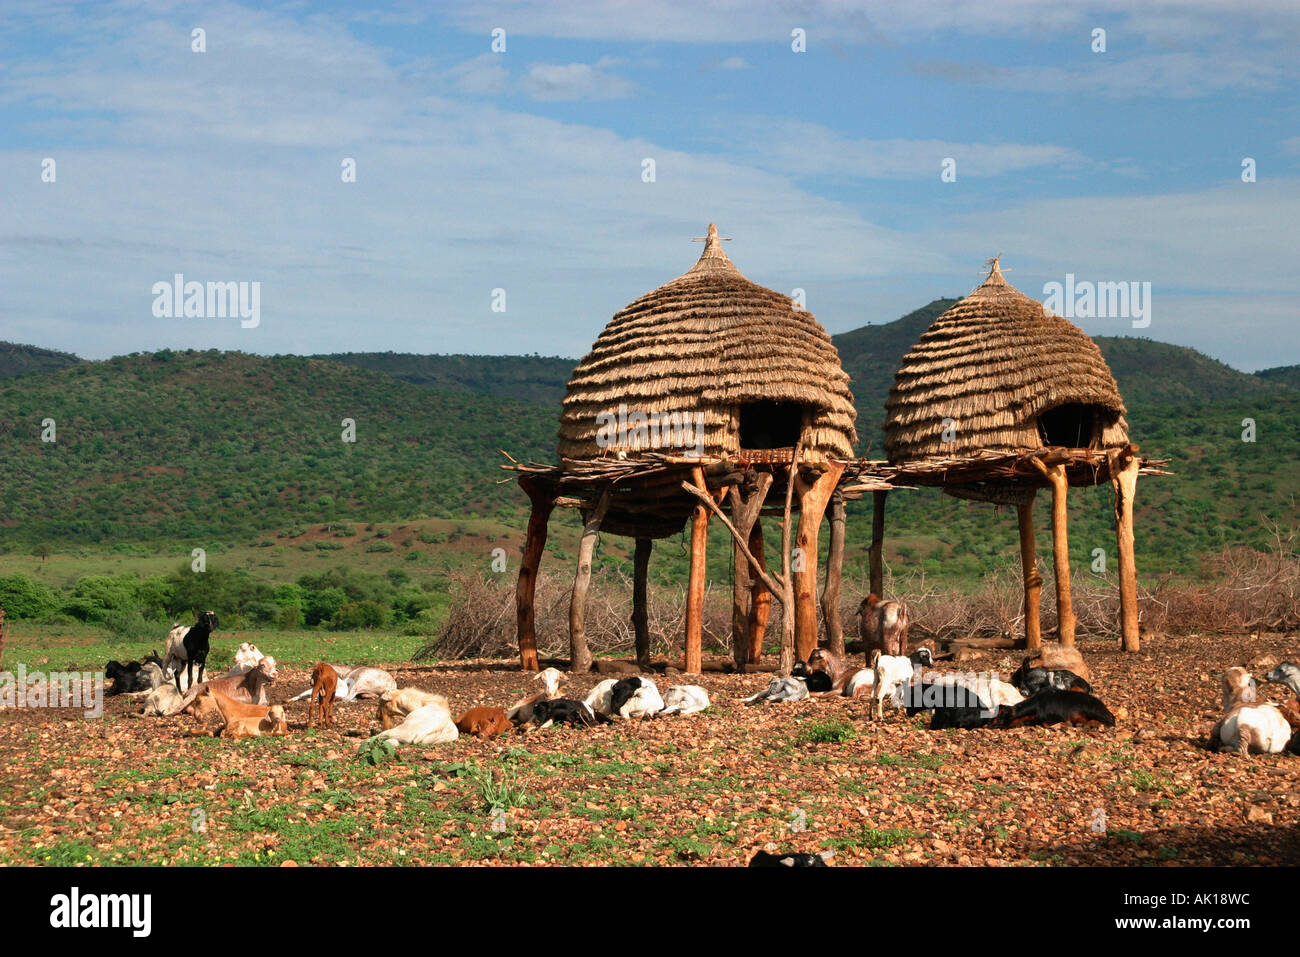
(882, 626)
(189, 647)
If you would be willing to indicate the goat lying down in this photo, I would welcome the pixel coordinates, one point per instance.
(781, 689)
(1247, 727)
(765, 859)
(521, 712)
(684, 700)
(357, 681)
(429, 724)
(396, 705)
(635, 697)
(1053, 706)
(561, 711)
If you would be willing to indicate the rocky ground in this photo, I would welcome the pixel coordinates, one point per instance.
(706, 789)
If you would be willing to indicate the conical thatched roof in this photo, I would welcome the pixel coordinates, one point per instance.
(708, 342)
(994, 364)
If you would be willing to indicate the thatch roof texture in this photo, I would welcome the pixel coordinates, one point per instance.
(993, 364)
(708, 342)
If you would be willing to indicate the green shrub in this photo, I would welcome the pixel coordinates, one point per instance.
(830, 731)
(21, 597)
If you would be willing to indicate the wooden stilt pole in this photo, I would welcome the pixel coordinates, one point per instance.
(834, 567)
(812, 508)
(1029, 568)
(878, 543)
(1124, 468)
(1060, 550)
(694, 638)
(640, 614)
(745, 507)
(579, 655)
(760, 604)
(526, 587)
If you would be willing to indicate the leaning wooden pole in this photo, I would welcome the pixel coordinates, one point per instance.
(579, 655)
(1066, 621)
(834, 568)
(760, 598)
(878, 543)
(813, 500)
(694, 638)
(526, 586)
(640, 612)
(1124, 467)
(1032, 579)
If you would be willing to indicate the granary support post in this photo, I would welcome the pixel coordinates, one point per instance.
(834, 567)
(1029, 569)
(813, 500)
(694, 639)
(1066, 621)
(745, 508)
(640, 614)
(526, 587)
(760, 598)
(579, 655)
(1124, 467)
(878, 543)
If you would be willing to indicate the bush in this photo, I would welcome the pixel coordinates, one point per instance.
(21, 597)
(379, 547)
(353, 615)
(130, 625)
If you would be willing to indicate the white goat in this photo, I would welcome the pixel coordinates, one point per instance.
(430, 724)
(636, 697)
(358, 681)
(890, 674)
(1247, 727)
(394, 706)
(598, 698)
(246, 659)
(685, 699)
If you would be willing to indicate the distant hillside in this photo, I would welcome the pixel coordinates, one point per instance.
(870, 355)
(20, 360)
(196, 445)
(527, 378)
(1152, 372)
(1282, 375)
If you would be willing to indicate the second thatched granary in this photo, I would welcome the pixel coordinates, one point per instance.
(708, 390)
(1000, 398)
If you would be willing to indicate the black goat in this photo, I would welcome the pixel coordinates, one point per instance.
(954, 705)
(815, 680)
(1053, 706)
(563, 711)
(1034, 680)
(131, 676)
(195, 646)
(764, 859)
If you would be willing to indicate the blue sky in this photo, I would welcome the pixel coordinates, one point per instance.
(522, 170)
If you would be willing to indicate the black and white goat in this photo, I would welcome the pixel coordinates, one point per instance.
(635, 697)
(189, 647)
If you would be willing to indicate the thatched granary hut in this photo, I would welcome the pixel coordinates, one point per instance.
(1000, 398)
(710, 389)
(746, 358)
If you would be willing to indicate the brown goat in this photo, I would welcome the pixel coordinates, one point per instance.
(882, 626)
(324, 682)
(273, 723)
(484, 722)
(845, 678)
(1058, 657)
(249, 688)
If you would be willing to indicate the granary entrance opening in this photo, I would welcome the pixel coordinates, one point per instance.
(770, 425)
(1075, 425)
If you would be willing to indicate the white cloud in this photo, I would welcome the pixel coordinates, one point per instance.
(574, 81)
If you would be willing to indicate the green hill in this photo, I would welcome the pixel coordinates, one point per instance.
(534, 378)
(1282, 375)
(195, 445)
(16, 360)
(1156, 372)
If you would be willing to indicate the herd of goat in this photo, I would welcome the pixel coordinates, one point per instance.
(1050, 687)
